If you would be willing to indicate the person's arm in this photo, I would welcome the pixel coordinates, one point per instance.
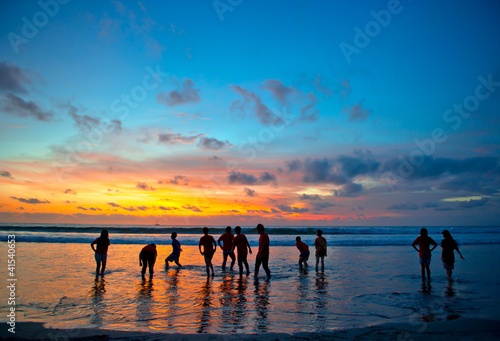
(140, 259)
(460, 254)
(92, 245)
(199, 247)
(433, 243)
(418, 250)
(249, 248)
(215, 245)
(218, 241)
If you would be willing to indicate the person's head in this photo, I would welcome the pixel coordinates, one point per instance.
(228, 229)
(174, 235)
(237, 229)
(104, 233)
(423, 232)
(319, 233)
(205, 230)
(153, 245)
(447, 234)
(260, 228)
(298, 239)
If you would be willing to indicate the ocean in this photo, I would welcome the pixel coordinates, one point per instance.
(372, 276)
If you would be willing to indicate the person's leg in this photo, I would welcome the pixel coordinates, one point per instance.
(103, 264)
(224, 260)
(305, 262)
(240, 265)
(427, 267)
(448, 273)
(322, 263)
(317, 262)
(246, 266)
(176, 261)
(422, 269)
(265, 265)
(300, 263)
(152, 262)
(211, 265)
(257, 265)
(233, 260)
(98, 267)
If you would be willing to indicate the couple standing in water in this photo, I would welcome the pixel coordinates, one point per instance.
(424, 249)
(238, 242)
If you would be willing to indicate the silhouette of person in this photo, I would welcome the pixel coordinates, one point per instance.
(227, 247)
(208, 251)
(241, 243)
(304, 252)
(147, 257)
(101, 251)
(263, 253)
(176, 251)
(320, 244)
(424, 251)
(449, 245)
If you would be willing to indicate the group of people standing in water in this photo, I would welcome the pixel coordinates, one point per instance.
(228, 242)
(207, 246)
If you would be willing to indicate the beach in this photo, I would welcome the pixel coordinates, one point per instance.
(364, 289)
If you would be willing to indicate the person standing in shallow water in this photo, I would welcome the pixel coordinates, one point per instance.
(304, 252)
(227, 240)
(320, 244)
(101, 251)
(208, 251)
(176, 251)
(241, 243)
(449, 245)
(147, 257)
(424, 251)
(263, 253)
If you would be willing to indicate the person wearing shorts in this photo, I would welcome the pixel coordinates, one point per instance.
(227, 240)
(424, 251)
(304, 252)
(241, 244)
(147, 258)
(262, 257)
(176, 251)
(320, 245)
(208, 251)
(101, 252)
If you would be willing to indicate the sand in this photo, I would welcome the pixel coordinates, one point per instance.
(461, 329)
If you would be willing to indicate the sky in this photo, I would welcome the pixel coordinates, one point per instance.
(237, 112)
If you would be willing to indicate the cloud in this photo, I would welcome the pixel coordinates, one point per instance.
(362, 164)
(211, 143)
(319, 206)
(305, 196)
(348, 190)
(175, 180)
(69, 191)
(81, 208)
(187, 94)
(462, 205)
(13, 78)
(172, 138)
(31, 200)
(214, 159)
(263, 113)
(279, 91)
(294, 165)
(130, 208)
(95, 209)
(309, 112)
(249, 192)
(285, 208)
(235, 177)
(327, 91)
(429, 205)
(86, 122)
(17, 106)
(356, 113)
(409, 206)
(192, 208)
(6, 174)
(144, 186)
(321, 171)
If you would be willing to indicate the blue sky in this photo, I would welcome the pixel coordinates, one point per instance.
(331, 100)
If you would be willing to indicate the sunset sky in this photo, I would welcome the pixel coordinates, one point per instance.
(235, 112)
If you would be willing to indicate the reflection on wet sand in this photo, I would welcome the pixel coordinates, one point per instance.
(144, 300)
(227, 302)
(321, 301)
(172, 285)
(205, 305)
(97, 295)
(261, 303)
(240, 305)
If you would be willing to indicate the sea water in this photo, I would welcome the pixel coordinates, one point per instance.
(362, 285)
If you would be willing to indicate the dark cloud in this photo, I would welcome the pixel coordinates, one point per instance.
(305, 196)
(175, 180)
(13, 78)
(6, 174)
(286, 208)
(279, 91)
(214, 159)
(17, 106)
(192, 208)
(95, 209)
(85, 122)
(144, 186)
(31, 200)
(357, 113)
(409, 206)
(235, 177)
(186, 94)
(249, 192)
(429, 205)
(81, 208)
(211, 143)
(309, 111)
(171, 138)
(319, 206)
(363, 163)
(321, 171)
(69, 191)
(462, 205)
(348, 190)
(142, 208)
(263, 113)
(326, 90)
